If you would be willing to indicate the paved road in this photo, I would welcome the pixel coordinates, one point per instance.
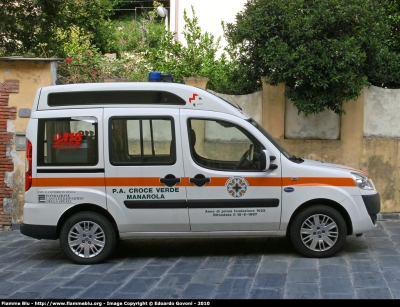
(256, 268)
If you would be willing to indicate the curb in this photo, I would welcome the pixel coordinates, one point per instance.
(388, 216)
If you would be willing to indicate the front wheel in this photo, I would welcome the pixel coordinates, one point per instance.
(87, 238)
(318, 231)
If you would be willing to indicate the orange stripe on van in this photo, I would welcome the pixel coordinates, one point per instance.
(351, 169)
(221, 181)
(317, 181)
(68, 182)
(215, 182)
(277, 182)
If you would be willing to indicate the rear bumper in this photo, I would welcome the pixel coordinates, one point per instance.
(39, 231)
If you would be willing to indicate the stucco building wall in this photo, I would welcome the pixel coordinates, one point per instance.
(381, 112)
(322, 126)
(19, 80)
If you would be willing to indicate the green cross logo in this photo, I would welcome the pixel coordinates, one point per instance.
(236, 186)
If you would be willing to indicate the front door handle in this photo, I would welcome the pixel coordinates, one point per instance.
(170, 180)
(199, 180)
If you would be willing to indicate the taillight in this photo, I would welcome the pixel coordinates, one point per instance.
(28, 166)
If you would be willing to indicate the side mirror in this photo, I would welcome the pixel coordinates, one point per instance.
(264, 160)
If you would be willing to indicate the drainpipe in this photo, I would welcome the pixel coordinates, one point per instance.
(176, 18)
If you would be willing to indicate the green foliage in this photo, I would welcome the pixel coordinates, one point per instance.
(393, 17)
(322, 50)
(126, 34)
(30, 26)
(131, 38)
(143, 45)
(104, 39)
(198, 57)
(15, 25)
(76, 42)
(137, 35)
(384, 71)
(92, 67)
(81, 32)
(85, 62)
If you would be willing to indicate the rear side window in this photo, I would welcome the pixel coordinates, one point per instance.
(143, 141)
(68, 141)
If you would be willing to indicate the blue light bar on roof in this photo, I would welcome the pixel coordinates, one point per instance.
(156, 76)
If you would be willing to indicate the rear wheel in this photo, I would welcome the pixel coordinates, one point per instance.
(87, 238)
(318, 231)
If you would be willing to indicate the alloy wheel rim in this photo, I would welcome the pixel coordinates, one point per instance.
(86, 239)
(319, 232)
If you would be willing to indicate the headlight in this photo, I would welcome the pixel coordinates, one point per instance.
(363, 182)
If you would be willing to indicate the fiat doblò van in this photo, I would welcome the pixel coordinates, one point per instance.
(111, 161)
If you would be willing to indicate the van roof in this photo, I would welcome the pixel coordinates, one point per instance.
(131, 95)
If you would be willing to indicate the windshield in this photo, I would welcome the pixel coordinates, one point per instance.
(275, 142)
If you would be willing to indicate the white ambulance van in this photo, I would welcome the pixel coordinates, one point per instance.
(111, 161)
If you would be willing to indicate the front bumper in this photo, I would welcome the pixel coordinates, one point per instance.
(373, 205)
(39, 231)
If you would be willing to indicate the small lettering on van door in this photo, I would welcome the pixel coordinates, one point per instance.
(59, 197)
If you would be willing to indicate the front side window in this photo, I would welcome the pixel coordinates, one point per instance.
(142, 141)
(223, 145)
(271, 139)
(68, 141)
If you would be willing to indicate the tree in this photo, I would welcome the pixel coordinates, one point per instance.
(31, 26)
(384, 71)
(393, 14)
(322, 49)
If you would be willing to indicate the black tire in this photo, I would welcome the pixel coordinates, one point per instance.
(312, 237)
(87, 238)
